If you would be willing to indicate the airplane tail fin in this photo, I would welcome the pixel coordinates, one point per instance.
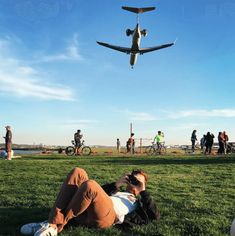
(138, 10)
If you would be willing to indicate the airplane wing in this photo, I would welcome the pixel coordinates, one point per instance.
(145, 50)
(120, 49)
(138, 10)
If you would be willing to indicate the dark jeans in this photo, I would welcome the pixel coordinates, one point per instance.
(193, 145)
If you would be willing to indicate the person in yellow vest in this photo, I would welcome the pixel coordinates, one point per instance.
(159, 139)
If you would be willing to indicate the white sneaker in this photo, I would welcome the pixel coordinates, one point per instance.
(46, 230)
(31, 228)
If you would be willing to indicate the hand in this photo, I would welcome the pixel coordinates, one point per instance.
(122, 181)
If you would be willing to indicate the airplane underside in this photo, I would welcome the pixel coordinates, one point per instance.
(133, 59)
(136, 34)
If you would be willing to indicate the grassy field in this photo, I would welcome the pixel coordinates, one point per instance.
(195, 194)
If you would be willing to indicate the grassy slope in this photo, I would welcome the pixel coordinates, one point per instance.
(196, 194)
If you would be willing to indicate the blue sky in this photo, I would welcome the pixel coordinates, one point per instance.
(55, 79)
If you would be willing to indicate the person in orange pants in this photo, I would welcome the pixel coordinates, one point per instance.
(84, 200)
(89, 204)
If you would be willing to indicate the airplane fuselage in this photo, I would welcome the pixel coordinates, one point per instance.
(136, 37)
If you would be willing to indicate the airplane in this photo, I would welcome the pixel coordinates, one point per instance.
(136, 38)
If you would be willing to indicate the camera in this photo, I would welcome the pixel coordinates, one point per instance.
(133, 180)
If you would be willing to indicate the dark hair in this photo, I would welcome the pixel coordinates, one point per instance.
(141, 172)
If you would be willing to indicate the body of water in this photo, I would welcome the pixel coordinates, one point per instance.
(23, 152)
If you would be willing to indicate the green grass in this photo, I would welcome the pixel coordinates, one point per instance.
(195, 194)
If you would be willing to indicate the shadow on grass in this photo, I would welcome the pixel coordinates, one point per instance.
(141, 160)
(11, 219)
(168, 161)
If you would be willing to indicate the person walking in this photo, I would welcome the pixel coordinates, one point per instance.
(193, 140)
(8, 142)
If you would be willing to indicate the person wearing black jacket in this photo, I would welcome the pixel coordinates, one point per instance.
(85, 202)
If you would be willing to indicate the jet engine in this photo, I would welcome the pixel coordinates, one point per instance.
(144, 32)
(129, 32)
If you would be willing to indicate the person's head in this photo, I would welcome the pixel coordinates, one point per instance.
(194, 131)
(78, 130)
(136, 177)
(132, 134)
(159, 132)
(8, 127)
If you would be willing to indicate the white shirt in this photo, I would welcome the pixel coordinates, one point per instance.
(123, 203)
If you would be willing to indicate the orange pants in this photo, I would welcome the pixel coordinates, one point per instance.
(84, 201)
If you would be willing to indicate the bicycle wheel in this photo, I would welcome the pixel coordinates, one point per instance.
(86, 151)
(70, 151)
(149, 150)
(162, 150)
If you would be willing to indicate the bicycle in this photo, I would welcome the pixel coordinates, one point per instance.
(230, 148)
(155, 149)
(71, 150)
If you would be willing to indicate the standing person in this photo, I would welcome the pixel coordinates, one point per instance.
(87, 203)
(78, 141)
(8, 142)
(221, 143)
(118, 145)
(209, 140)
(203, 141)
(130, 144)
(193, 139)
(225, 141)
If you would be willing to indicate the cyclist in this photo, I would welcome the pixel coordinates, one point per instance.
(78, 141)
(159, 139)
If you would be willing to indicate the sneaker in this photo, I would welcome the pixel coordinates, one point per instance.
(47, 230)
(31, 228)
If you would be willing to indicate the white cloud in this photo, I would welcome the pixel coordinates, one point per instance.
(71, 53)
(83, 123)
(226, 113)
(27, 70)
(138, 116)
(19, 79)
(26, 87)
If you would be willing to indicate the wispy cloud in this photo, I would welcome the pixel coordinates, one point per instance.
(25, 87)
(137, 116)
(82, 123)
(71, 52)
(20, 79)
(226, 113)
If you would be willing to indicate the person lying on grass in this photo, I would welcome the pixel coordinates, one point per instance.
(84, 202)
